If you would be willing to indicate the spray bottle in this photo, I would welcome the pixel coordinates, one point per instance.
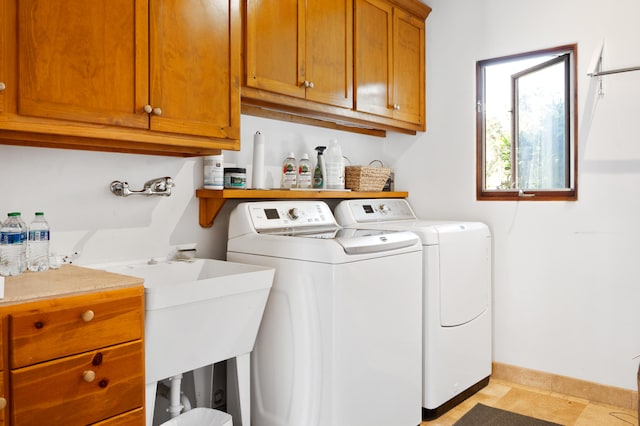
(320, 170)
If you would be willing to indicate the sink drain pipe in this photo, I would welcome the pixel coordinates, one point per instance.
(178, 402)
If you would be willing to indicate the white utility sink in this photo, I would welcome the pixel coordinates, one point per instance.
(198, 313)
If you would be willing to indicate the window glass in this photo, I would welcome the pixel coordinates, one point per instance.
(526, 126)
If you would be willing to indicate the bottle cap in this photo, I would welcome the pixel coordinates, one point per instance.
(291, 155)
(304, 156)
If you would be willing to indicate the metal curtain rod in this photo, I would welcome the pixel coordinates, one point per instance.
(616, 71)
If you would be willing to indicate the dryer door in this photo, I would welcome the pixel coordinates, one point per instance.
(465, 273)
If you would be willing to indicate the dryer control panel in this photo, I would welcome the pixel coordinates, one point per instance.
(352, 212)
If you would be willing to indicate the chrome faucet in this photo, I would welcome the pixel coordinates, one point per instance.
(158, 186)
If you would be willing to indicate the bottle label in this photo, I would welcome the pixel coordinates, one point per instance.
(39, 235)
(11, 238)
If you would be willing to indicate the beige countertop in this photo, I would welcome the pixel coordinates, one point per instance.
(69, 279)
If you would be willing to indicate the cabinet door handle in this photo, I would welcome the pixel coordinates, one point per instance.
(308, 84)
(88, 376)
(3, 403)
(87, 315)
(151, 110)
(2, 86)
(396, 107)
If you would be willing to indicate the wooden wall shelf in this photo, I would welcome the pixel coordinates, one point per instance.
(211, 201)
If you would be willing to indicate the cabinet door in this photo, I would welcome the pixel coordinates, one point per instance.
(329, 51)
(4, 408)
(409, 68)
(275, 40)
(374, 60)
(83, 60)
(195, 67)
(4, 55)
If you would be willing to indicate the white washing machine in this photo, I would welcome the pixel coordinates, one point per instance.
(457, 297)
(340, 339)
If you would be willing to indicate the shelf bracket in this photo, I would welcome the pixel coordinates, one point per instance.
(209, 209)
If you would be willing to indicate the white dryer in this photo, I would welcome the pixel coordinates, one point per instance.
(340, 339)
(457, 297)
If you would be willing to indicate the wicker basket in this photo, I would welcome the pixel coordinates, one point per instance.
(366, 178)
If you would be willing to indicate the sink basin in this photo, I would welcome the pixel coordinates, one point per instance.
(197, 313)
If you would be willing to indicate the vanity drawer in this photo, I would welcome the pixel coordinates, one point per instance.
(135, 417)
(79, 389)
(74, 325)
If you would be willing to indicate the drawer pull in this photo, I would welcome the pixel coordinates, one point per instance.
(88, 315)
(38, 325)
(3, 403)
(88, 376)
(103, 383)
(97, 359)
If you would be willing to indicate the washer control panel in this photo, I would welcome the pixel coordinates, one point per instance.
(284, 215)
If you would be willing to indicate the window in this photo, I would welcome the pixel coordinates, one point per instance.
(526, 126)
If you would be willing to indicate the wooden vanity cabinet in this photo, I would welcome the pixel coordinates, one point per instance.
(299, 48)
(76, 359)
(124, 75)
(390, 62)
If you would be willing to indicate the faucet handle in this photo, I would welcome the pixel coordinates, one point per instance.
(120, 188)
(158, 186)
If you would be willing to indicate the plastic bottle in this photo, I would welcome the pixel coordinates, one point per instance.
(23, 236)
(289, 171)
(334, 165)
(319, 172)
(38, 244)
(11, 244)
(213, 166)
(305, 172)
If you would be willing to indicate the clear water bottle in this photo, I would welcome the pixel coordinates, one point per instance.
(11, 244)
(305, 172)
(289, 171)
(23, 236)
(38, 244)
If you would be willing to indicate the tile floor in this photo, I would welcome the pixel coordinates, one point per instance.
(545, 405)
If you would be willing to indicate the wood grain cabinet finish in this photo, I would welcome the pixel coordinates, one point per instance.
(357, 63)
(76, 360)
(155, 76)
(302, 49)
(3, 54)
(390, 62)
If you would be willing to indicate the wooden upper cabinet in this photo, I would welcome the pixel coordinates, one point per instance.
(140, 76)
(409, 67)
(3, 55)
(301, 49)
(83, 60)
(195, 67)
(329, 52)
(390, 62)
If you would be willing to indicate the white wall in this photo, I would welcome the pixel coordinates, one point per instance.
(72, 188)
(565, 277)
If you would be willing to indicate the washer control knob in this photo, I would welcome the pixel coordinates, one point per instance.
(384, 208)
(293, 214)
